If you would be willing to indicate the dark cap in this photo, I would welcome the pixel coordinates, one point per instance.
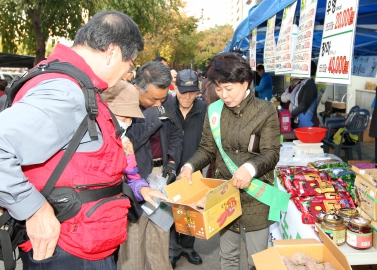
(187, 81)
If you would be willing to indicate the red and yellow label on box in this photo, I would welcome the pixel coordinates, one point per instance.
(205, 225)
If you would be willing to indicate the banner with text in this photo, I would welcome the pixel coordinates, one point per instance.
(270, 46)
(365, 66)
(283, 54)
(335, 58)
(303, 53)
(253, 49)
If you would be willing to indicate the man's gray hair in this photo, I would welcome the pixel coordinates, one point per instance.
(154, 73)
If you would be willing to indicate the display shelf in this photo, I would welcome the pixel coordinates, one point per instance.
(359, 257)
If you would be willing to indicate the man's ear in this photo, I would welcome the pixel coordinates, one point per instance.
(111, 53)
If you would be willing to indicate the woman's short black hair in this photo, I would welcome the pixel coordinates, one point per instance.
(229, 68)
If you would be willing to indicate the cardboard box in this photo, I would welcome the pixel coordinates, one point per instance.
(222, 205)
(352, 161)
(342, 152)
(365, 135)
(326, 251)
(373, 224)
(366, 191)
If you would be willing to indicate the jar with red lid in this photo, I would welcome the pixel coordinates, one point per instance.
(333, 226)
(359, 233)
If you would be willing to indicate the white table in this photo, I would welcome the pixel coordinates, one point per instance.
(291, 227)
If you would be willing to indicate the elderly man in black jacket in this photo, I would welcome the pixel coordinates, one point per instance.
(190, 113)
(157, 141)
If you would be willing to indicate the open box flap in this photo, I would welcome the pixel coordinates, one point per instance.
(219, 192)
(309, 246)
(338, 257)
(181, 189)
(369, 174)
(268, 259)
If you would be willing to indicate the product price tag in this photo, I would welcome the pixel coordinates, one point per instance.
(270, 46)
(253, 49)
(284, 52)
(303, 56)
(335, 59)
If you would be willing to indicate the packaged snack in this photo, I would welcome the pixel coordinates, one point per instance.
(309, 208)
(306, 188)
(326, 186)
(287, 182)
(329, 163)
(324, 176)
(292, 170)
(307, 176)
(350, 187)
(341, 172)
(312, 205)
(333, 206)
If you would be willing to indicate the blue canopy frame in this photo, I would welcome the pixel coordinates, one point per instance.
(366, 27)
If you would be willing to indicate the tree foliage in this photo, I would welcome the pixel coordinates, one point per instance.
(27, 25)
(175, 40)
(211, 42)
(32, 22)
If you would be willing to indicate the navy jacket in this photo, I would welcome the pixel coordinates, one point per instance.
(192, 129)
(170, 135)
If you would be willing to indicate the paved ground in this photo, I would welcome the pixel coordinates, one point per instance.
(208, 250)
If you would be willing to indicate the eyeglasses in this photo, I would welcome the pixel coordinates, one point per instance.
(133, 68)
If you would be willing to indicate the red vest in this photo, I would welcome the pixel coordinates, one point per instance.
(100, 226)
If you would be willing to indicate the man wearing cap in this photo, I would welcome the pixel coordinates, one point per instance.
(157, 141)
(190, 112)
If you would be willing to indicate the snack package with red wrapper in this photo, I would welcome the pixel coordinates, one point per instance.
(328, 202)
(287, 182)
(292, 170)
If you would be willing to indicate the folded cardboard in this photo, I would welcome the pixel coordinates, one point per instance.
(366, 190)
(326, 251)
(222, 205)
(373, 224)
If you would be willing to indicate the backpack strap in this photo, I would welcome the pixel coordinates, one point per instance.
(66, 68)
(63, 162)
(6, 244)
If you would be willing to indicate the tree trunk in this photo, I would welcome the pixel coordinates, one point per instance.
(35, 16)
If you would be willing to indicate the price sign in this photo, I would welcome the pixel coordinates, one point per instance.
(335, 58)
(253, 49)
(303, 51)
(270, 46)
(283, 56)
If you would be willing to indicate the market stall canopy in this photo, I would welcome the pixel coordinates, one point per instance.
(366, 28)
(16, 60)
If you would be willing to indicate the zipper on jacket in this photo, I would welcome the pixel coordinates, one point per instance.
(84, 187)
(97, 205)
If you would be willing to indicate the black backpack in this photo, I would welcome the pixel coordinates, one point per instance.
(13, 232)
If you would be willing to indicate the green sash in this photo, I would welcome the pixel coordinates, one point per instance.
(267, 194)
